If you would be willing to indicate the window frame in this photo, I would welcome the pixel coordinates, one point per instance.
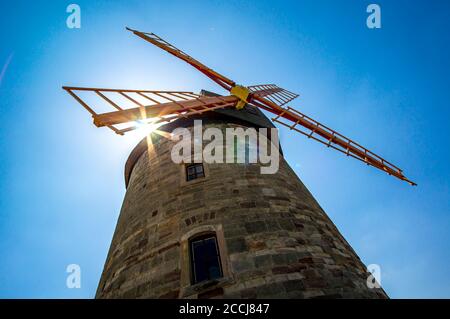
(196, 175)
(192, 262)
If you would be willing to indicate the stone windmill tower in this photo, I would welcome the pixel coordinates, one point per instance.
(213, 230)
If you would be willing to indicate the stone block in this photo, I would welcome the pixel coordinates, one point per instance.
(263, 261)
(236, 245)
(255, 227)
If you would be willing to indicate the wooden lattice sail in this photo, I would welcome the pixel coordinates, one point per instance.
(166, 106)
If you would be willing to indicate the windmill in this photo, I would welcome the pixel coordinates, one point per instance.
(155, 107)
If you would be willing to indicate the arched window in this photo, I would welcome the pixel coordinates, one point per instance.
(205, 258)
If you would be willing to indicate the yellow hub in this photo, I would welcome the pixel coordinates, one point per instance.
(242, 93)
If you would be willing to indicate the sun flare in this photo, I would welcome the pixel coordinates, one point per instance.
(146, 128)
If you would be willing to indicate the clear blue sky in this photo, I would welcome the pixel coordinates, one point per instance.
(61, 179)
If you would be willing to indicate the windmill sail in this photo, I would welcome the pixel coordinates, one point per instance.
(311, 128)
(166, 106)
(223, 81)
(273, 93)
(162, 106)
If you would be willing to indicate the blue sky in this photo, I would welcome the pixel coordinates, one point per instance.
(61, 179)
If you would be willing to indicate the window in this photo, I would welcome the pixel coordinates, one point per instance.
(205, 258)
(194, 171)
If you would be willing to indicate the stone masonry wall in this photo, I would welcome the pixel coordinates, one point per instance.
(278, 242)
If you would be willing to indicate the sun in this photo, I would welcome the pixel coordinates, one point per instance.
(146, 128)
